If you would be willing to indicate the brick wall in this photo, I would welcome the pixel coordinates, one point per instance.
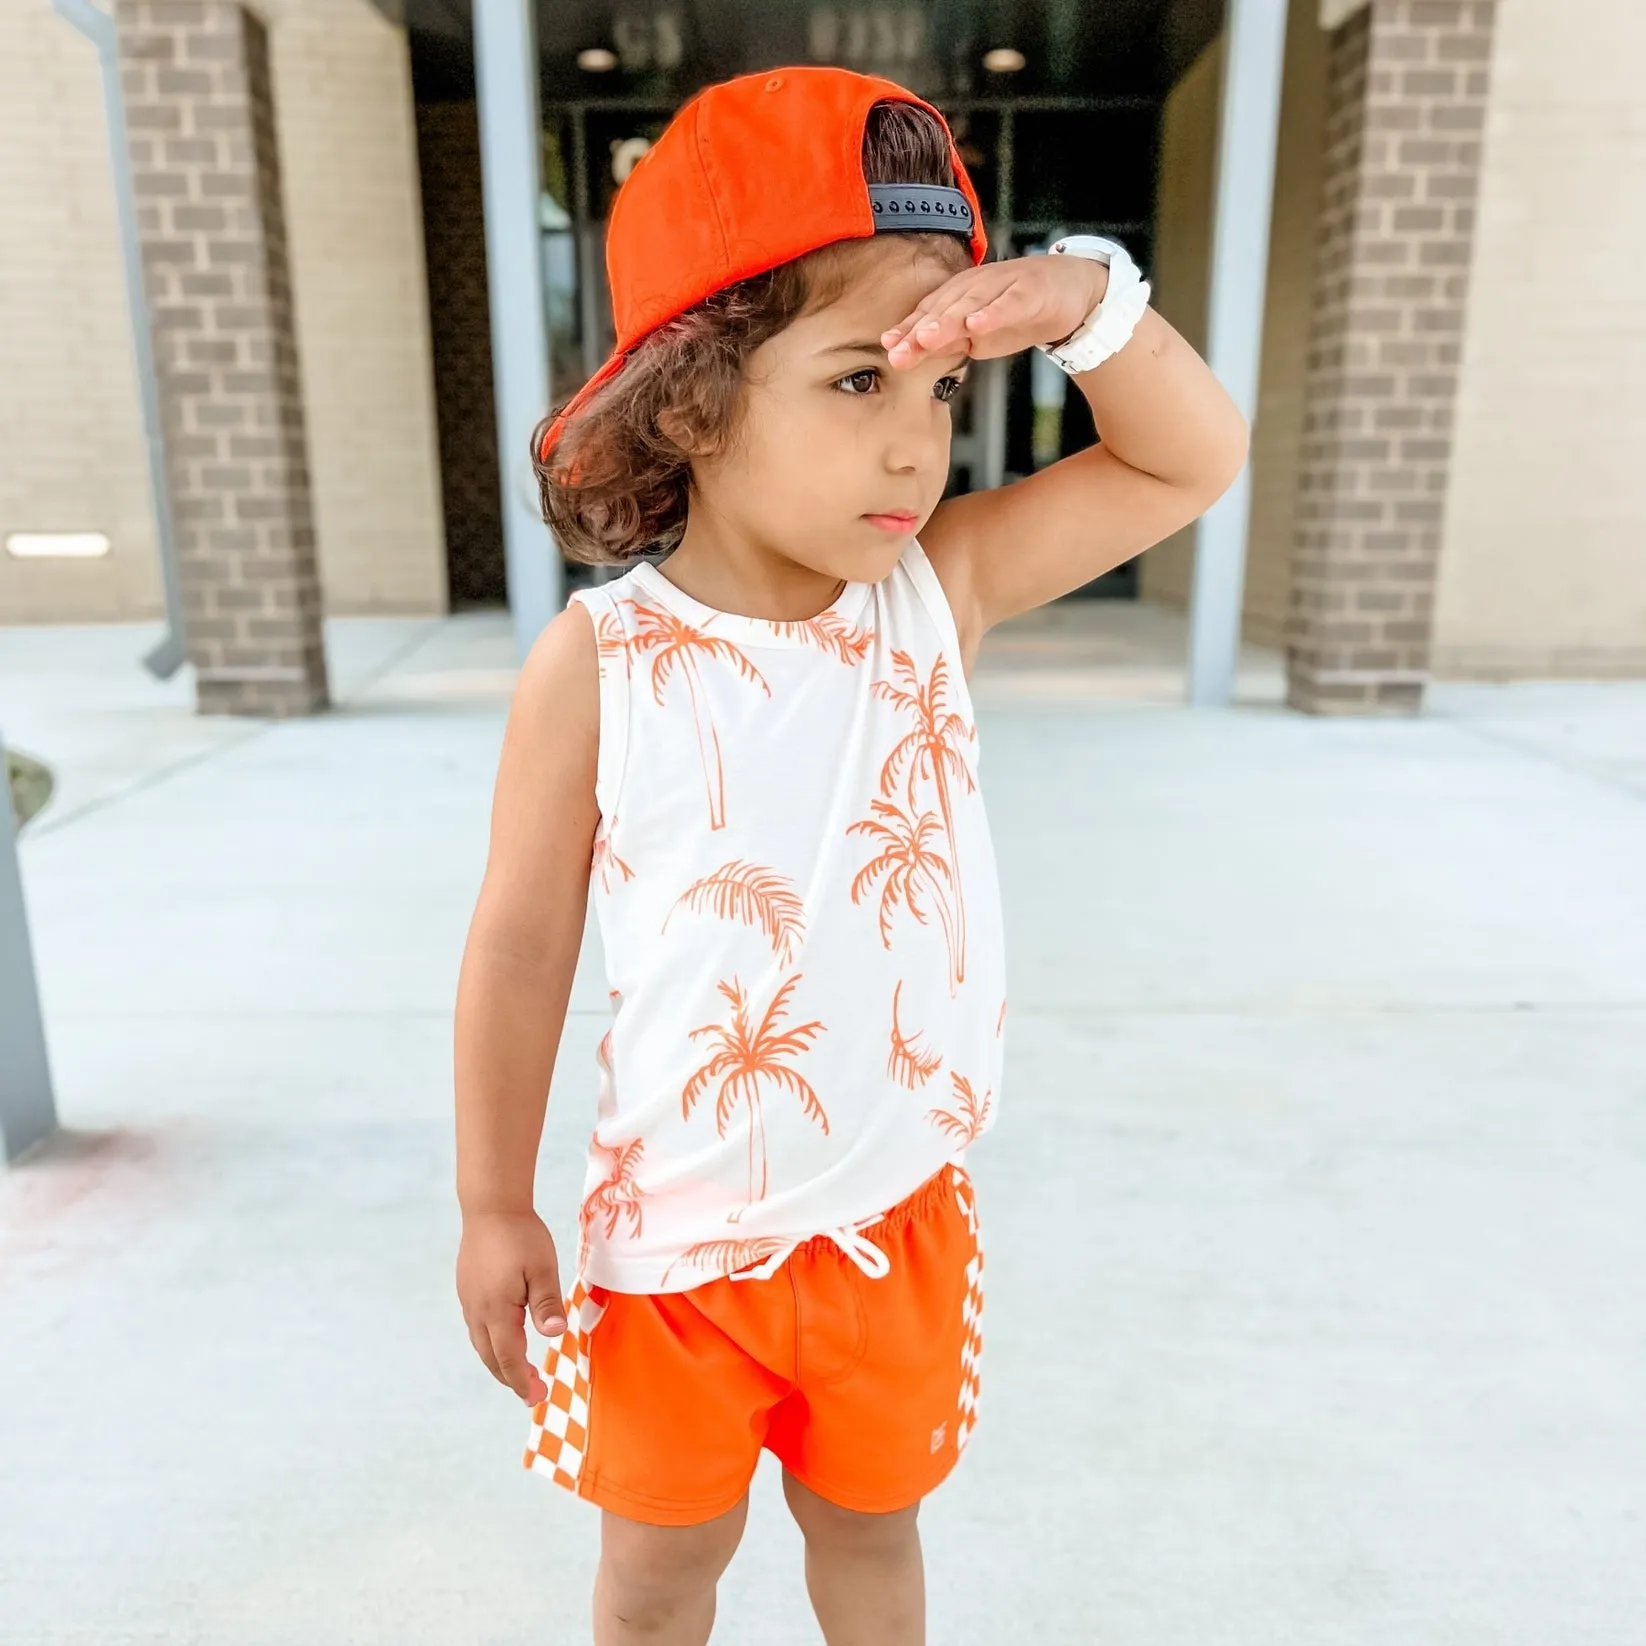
(211, 218)
(454, 233)
(1406, 94)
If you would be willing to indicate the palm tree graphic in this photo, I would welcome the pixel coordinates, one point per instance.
(604, 857)
(610, 640)
(912, 868)
(909, 1062)
(931, 753)
(831, 633)
(616, 1196)
(970, 1113)
(724, 1257)
(676, 646)
(748, 1056)
(753, 895)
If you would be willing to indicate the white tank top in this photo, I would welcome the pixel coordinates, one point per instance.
(796, 893)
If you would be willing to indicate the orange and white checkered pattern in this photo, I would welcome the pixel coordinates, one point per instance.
(971, 1313)
(560, 1424)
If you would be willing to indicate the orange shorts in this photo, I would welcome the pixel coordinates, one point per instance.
(865, 1388)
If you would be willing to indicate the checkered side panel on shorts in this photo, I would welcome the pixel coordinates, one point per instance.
(560, 1424)
(971, 1346)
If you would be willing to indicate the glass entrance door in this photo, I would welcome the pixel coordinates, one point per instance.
(1059, 127)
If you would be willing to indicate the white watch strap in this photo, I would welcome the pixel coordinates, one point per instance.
(1109, 327)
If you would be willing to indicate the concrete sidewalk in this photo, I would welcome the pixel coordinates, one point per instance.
(1316, 1212)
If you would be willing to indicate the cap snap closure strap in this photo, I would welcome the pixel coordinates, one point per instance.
(919, 208)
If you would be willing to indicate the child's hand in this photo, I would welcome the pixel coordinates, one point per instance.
(506, 1265)
(999, 308)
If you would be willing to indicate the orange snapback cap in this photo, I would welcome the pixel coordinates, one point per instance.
(749, 174)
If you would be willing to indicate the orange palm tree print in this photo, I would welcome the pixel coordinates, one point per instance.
(724, 1257)
(909, 1063)
(968, 1117)
(609, 640)
(605, 858)
(911, 866)
(615, 1197)
(931, 753)
(676, 646)
(747, 1057)
(830, 633)
(754, 895)
(607, 1099)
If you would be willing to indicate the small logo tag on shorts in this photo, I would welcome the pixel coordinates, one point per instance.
(939, 1435)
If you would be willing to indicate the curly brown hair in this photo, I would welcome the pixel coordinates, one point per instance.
(616, 486)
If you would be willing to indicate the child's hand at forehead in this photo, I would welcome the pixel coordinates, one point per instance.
(999, 308)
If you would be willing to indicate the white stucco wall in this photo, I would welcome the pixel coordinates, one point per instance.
(1543, 569)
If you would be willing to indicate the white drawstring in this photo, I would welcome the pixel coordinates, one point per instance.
(861, 1250)
(848, 1237)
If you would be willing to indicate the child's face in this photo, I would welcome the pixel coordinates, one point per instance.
(839, 459)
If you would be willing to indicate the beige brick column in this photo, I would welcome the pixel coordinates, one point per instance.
(1405, 111)
(200, 122)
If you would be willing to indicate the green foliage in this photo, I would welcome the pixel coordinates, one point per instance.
(30, 784)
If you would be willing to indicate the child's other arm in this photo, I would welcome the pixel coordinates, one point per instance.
(512, 993)
(1172, 443)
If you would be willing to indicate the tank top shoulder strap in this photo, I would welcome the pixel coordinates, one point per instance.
(917, 566)
(612, 626)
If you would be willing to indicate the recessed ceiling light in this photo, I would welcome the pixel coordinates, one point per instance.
(597, 60)
(626, 155)
(1004, 60)
(57, 545)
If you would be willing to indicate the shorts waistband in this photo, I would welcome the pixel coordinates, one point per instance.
(918, 1203)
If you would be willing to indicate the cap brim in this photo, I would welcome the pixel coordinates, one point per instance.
(574, 406)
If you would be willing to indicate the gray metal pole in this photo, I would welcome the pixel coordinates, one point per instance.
(98, 27)
(991, 391)
(27, 1112)
(505, 64)
(1254, 48)
(588, 276)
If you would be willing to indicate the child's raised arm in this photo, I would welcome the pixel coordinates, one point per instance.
(512, 994)
(1172, 442)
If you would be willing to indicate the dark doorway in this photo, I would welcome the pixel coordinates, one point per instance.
(1067, 142)
(454, 249)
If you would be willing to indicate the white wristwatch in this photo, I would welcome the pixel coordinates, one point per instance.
(1109, 327)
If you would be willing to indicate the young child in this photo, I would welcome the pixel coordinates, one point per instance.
(758, 757)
